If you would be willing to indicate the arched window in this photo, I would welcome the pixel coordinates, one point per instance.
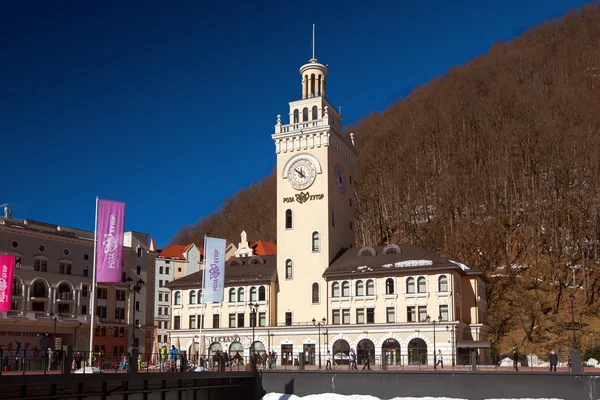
(192, 297)
(443, 283)
(288, 269)
(410, 285)
(232, 295)
(345, 289)
(360, 288)
(64, 292)
(241, 297)
(335, 289)
(262, 294)
(305, 114)
(315, 113)
(370, 288)
(17, 289)
(177, 298)
(288, 219)
(296, 116)
(389, 286)
(316, 241)
(253, 293)
(313, 82)
(421, 285)
(315, 293)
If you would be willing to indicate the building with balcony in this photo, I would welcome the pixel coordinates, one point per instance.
(320, 292)
(52, 289)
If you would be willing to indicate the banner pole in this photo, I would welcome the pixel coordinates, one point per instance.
(93, 290)
(202, 297)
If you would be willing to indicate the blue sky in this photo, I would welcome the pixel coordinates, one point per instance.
(170, 106)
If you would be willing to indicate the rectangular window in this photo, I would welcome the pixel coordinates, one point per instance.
(160, 297)
(84, 291)
(177, 322)
(137, 306)
(346, 317)
(179, 269)
(422, 313)
(137, 322)
(370, 315)
(167, 270)
(166, 296)
(84, 309)
(288, 319)
(160, 283)
(85, 271)
(240, 320)
(101, 312)
(192, 322)
(86, 257)
(159, 310)
(335, 317)
(390, 315)
(139, 251)
(444, 313)
(121, 332)
(232, 320)
(360, 316)
(262, 319)
(40, 265)
(120, 313)
(160, 270)
(138, 270)
(411, 314)
(216, 320)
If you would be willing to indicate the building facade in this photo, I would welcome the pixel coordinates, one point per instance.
(52, 289)
(320, 293)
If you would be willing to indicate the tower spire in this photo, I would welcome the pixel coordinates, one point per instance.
(313, 43)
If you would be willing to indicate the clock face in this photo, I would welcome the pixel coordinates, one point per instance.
(340, 178)
(302, 174)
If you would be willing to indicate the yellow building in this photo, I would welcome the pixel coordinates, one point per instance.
(320, 293)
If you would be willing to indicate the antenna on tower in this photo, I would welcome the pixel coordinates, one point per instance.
(313, 42)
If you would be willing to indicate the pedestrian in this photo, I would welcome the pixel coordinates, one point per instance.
(553, 360)
(440, 360)
(353, 359)
(173, 353)
(78, 359)
(274, 359)
(328, 366)
(367, 362)
(163, 358)
(515, 359)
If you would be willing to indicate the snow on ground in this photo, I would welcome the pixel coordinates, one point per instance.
(334, 396)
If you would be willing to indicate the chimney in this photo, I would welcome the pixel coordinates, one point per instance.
(7, 212)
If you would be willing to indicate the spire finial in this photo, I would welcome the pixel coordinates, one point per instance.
(313, 42)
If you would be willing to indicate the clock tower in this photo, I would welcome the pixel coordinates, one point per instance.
(315, 198)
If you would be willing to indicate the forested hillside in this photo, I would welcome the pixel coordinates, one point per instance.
(496, 163)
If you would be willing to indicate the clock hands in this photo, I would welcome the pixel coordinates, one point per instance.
(300, 173)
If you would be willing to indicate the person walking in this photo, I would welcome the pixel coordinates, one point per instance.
(328, 366)
(515, 359)
(173, 353)
(553, 360)
(440, 360)
(367, 363)
(163, 358)
(353, 359)
(78, 359)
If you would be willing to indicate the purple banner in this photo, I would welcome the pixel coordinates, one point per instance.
(7, 268)
(109, 241)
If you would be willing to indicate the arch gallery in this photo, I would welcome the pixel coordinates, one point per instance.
(319, 288)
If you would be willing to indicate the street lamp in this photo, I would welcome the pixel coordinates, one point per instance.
(451, 330)
(55, 318)
(253, 309)
(434, 323)
(572, 299)
(319, 324)
(135, 287)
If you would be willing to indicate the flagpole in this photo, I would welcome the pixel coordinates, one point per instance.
(93, 291)
(202, 298)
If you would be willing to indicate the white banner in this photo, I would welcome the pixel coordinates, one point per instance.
(214, 270)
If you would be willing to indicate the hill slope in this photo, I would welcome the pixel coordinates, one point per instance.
(496, 163)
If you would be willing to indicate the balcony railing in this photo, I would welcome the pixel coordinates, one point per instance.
(64, 296)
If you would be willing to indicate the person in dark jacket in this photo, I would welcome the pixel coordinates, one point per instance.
(515, 359)
(553, 360)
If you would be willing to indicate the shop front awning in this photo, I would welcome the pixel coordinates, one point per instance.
(474, 344)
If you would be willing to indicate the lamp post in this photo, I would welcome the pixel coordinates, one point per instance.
(55, 318)
(319, 324)
(451, 330)
(572, 299)
(253, 309)
(135, 287)
(434, 323)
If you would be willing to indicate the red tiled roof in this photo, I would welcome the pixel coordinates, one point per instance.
(262, 248)
(176, 251)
